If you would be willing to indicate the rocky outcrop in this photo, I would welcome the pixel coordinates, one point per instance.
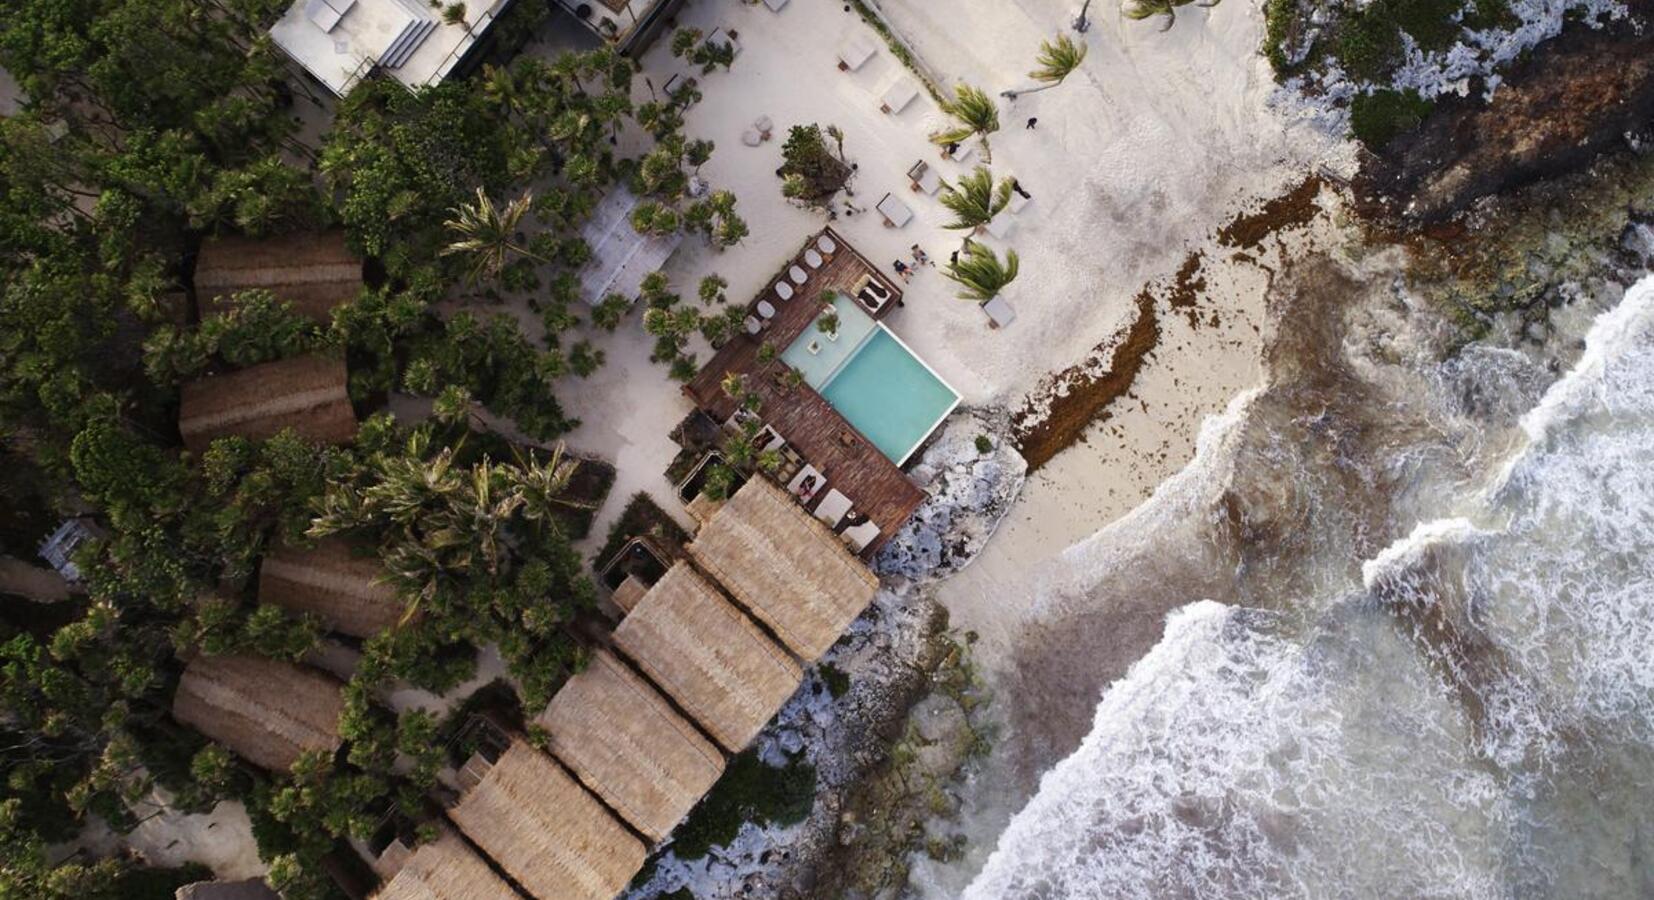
(972, 475)
(1570, 100)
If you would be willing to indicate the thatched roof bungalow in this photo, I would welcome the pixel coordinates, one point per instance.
(708, 656)
(306, 393)
(446, 869)
(312, 271)
(334, 583)
(785, 567)
(545, 831)
(628, 746)
(267, 711)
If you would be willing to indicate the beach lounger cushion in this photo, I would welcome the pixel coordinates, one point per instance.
(812, 258)
(900, 93)
(895, 212)
(825, 245)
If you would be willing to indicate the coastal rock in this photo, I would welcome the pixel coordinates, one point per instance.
(972, 475)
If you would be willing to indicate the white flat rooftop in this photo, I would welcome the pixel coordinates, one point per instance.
(621, 258)
(341, 41)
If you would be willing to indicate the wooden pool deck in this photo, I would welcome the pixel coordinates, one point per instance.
(826, 440)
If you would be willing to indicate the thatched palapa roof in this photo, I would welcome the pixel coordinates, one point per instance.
(265, 710)
(785, 567)
(446, 869)
(708, 656)
(629, 747)
(333, 583)
(306, 393)
(314, 271)
(552, 837)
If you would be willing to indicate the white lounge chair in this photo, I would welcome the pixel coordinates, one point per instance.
(896, 213)
(783, 290)
(832, 508)
(924, 178)
(775, 5)
(752, 325)
(855, 53)
(999, 312)
(1017, 203)
(765, 309)
(799, 276)
(796, 486)
(964, 154)
(896, 97)
(825, 245)
(812, 258)
(857, 537)
(1000, 226)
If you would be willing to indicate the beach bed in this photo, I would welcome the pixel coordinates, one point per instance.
(857, 537)
(924, 179)
(1000, 226)
(775, 5)
(855, 53)
(896, 213)
(999, 312)
(896, 98)
(1017, 203)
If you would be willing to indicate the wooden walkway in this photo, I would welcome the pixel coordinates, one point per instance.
(809, 424)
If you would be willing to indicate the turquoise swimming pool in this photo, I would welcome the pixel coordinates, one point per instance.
(874, 381)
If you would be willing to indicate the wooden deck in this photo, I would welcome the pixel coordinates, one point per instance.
(852, 464)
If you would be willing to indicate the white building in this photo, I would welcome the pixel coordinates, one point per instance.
(341, 41)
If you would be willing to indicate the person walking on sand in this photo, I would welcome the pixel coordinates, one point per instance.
(904, 270)
(1017, 187)
(1032, 121)
(953, 260)
(920, 257)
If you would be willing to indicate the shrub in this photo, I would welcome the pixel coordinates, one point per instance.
(984, 444)
(1376, 118)
(749, 791)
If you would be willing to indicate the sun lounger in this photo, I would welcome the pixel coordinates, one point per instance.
(963, 154)
(796, 486)
(775, 5)
(798, 275)
(765, 309)
(999, 312)
(753, 326)
(857, 537)
(1000, 226)
(924, 179)
(896, 97)
(896, 213)
(855, 53)
(1017, 203)
(720, 36)
(812, 258)
(783, 290)
(832, 508)
(826, 246)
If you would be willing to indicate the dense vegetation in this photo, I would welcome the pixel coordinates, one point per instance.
(151, 124)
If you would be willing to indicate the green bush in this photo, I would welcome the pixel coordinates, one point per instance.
(1367, 42)
(984, 444)
(749, 791)
(1376, 118)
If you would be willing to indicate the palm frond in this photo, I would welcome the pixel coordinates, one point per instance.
(981, 274)
(976, 113)
(976, 199)
(1058, 59)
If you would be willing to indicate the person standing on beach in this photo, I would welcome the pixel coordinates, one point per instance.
(1017, 187)
(904, 270)
(1032, 121)
(920, 257)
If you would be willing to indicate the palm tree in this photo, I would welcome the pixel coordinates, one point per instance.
(976, 200)
(976, 115)
(1057, 60)
(1137, 10)
(544, 487)
(980, 273)
(488, 234)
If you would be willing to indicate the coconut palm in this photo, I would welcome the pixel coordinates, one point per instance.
(1137, 10)
(980, 272)
(488, 234)
(976, 199)
(545, 486)
(1057, 60)
(975, 113)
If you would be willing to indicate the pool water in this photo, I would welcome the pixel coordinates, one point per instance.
(889, 395)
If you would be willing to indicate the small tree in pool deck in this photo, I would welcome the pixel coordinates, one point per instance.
(1137, 10)
(981, 274)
